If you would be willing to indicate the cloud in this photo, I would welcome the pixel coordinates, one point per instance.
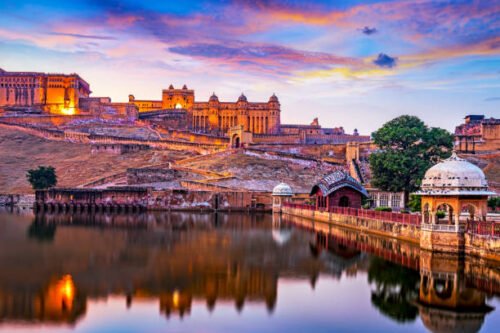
(81, 36)
(265, 57)
(369, 31)
(383, 60)
(492, 99)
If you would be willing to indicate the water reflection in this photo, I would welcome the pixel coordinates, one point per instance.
(53, 266)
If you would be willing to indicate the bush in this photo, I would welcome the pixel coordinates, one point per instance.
(366, 206)
(415, 203)
(440, 214)
(383, 209)
(494, 203)
(404, 211)
(42, 178)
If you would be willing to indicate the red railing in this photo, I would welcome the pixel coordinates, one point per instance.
(413, 219)
(484, 228)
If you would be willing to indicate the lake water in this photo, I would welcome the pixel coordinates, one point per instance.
(183, 272)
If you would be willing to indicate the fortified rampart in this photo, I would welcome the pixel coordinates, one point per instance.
(80, 137)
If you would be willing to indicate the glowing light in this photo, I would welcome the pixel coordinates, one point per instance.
(68, 111)
(175, 299)
(67, 288)
(178, 106)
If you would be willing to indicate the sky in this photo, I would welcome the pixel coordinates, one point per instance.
(355, 64)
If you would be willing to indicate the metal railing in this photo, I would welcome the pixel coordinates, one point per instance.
(484, 228)
(443, 227)
(411, 219)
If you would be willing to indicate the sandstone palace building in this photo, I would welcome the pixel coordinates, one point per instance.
(177, 110)
(52, 93)
(214, 116)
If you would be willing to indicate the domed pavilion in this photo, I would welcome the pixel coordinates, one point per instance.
(281, 193)
(453, 186)
(449, 188)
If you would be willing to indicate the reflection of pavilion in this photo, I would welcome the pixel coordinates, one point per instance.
(445, 303)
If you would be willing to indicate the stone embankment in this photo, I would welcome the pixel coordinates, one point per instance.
(17, 200)
(480, 239)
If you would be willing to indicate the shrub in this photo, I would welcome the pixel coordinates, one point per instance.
(42, 178)
(383, 209)
(440, 214)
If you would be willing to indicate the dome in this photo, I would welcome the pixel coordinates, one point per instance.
(273, 98)
(242, 98)
(213, 98)
(184, 87)
(454, 176)
(282, 190)
(171, 86)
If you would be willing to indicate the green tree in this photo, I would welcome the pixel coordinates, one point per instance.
(494, 203)
(407, 149)
(42, 178)
(415, 203)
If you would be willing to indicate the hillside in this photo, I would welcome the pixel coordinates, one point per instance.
(74, 163)
(490, 163)
(262, 172)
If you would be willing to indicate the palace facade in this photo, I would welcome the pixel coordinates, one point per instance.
(35, 92)
(478, 133)
(214, 116)
(177, 110)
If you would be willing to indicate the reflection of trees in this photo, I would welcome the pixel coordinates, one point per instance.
(40, 230)
(395, 289)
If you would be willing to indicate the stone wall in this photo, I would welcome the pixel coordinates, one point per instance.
(153, 175)
(177, 199)
(20, 200)
(209, 200)
(379, 227)
(482, 246)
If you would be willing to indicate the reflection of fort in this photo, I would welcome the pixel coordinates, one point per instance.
(173, 258)
(51, 266)
(59, 301)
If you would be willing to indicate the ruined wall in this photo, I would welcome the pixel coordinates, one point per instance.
(198, 137)
(153, 175)
(208, 200)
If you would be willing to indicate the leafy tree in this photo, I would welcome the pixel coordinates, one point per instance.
(407, 149)
(494, 203)
(415, 203)
(42, 178)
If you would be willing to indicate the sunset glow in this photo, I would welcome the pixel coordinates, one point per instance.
(339, 60)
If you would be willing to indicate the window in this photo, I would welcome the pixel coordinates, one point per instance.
(396, 199)
(384, 200)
